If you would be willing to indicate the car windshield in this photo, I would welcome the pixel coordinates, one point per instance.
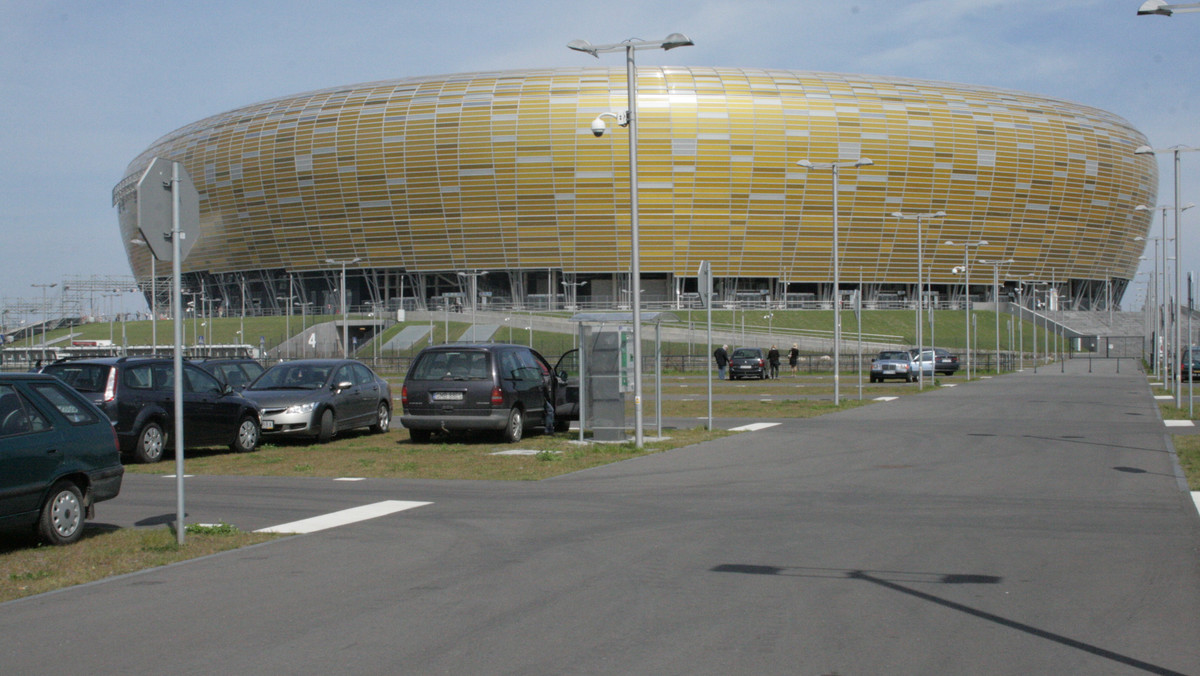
(293, 377)
(82, 377)
(452, 365)
(902, 356)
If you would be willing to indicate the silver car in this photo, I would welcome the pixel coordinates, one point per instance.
(320, 397)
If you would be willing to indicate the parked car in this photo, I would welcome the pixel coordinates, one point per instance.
(234, 372)
(138, 395)
(493, 386)
(1189, 364)
(747, 362)
(942, 361)
(321, 397)
(59, 456)
(893, 364)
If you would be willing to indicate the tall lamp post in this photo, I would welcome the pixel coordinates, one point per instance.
(920, 292)
(833, 168)
(1166, 317)
(1175, 151)
(966, 270)
(45, 314)
(345, 316)
(996, 299)
(628, 119)
(153, 296)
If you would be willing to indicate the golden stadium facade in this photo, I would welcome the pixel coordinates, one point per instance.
(426, 178)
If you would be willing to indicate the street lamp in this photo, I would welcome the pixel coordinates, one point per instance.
(572, 289)
(996, 299)
(920, 294)
(153, 296)
(1174, 150)
(45, 313)
(1167, 318)
(345, 317)
(629, 119)
(1161, 8)
(833, 168)
(966, 270)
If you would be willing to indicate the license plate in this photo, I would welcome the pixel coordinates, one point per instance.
(447, 396)
(268, 424)
(889, 372)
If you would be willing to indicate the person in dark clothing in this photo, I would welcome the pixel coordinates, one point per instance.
(773, 361)
(794, 357)
(722, 357)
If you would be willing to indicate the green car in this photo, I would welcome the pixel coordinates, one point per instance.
(58, 457)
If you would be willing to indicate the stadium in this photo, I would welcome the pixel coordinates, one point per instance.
(490, 187)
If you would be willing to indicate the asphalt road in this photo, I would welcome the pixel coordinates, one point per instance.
(1026, 524)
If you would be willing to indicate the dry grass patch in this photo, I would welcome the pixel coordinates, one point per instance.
(28, 568)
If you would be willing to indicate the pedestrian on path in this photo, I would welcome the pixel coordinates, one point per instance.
(722, 356)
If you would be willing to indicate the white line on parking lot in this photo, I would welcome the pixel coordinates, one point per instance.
(1178, 423)
(753, 427)
(346, 516)
(349, 478)
(1164, 397)
(886, 398)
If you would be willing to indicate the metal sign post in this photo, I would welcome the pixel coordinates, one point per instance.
(169, 207)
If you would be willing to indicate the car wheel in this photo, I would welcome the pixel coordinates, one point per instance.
(383, 419)
(515, 426)
(420, 436)
(62, 517)
(150, 443)
(328, 426)
(247, 436)
(561, 425)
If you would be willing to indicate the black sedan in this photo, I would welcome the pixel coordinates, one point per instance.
(58, 457)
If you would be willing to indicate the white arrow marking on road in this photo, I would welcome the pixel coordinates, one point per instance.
(346, 516)
(753, 427)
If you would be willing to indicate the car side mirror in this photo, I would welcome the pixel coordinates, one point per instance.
(562, 377)
(226, 390)
(344, 385)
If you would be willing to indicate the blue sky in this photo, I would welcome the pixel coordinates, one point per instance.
(86, 86)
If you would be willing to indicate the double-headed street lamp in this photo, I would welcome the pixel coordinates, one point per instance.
(920, 280)
(628, 119)
(46, 313)
(1175, 151)
(966, 270)
(833, 167)
(996, 299)
(345, 317)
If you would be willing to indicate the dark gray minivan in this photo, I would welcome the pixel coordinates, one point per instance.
(491, 386)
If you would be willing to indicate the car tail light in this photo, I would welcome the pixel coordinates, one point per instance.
(404, 395)
(497, 396)
(110, 387)
(760, 362)
(116, 440)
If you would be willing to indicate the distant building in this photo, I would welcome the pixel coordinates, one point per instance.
(431, 181)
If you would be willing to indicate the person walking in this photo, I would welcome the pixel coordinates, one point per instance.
(722, 356)
(794, 357)
(773, 361)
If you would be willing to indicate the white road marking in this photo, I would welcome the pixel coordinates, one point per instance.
(1196, 499)
(1164, 397)
(172, 476)
(349, 478)
(522, 451)
(753, 427)
(346, 516)
(1179, 423)
(886, 398)
(950, 385)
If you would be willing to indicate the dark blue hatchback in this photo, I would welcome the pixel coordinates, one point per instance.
(58, 457)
